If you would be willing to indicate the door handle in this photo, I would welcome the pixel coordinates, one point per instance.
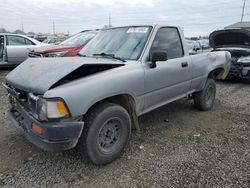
(184, 64)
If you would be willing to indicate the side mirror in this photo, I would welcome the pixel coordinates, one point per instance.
(157, 56)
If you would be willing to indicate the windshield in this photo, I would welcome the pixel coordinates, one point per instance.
(79, 39)
(124, 42)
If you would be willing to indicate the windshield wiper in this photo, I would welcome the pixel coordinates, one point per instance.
(110, 55)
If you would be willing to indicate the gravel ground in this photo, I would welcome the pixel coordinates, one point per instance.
(177, 147)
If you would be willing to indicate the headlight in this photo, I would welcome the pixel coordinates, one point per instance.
(244, 60)
(51, 109)
(56, 54)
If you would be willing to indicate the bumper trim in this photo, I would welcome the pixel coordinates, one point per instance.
(56, 136)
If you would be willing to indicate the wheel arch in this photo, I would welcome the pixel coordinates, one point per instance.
(216, 73)
(127, 101)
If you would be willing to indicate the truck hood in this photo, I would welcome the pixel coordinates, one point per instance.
(37, 75)
(238, 38)
(54, 48)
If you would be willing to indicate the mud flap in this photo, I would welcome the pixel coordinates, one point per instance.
(135, 121)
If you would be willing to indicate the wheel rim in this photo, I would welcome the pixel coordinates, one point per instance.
(110, 135)
(209, 95)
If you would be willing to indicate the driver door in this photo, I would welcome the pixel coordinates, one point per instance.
(170, 79)
(18, 48)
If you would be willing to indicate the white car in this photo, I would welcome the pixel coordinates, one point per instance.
(14, 48)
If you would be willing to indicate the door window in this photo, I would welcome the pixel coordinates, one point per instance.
(168, 39)
(28, 42)
(15, 40)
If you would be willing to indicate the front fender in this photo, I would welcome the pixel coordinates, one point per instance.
(81, 94)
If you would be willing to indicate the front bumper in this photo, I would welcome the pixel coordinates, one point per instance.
(56, 136)
(242, 72)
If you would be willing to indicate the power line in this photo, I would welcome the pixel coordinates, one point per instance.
(169, 17)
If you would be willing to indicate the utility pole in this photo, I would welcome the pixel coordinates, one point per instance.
(54, 29)
(110, 21)
(22, 26)
(243, 10)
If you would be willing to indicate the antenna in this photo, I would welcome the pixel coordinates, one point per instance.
(243, 10)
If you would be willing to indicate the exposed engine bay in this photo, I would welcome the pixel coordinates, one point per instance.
(237, 42)
(240, 64)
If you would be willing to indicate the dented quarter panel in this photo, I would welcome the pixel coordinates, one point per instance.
(203, 64)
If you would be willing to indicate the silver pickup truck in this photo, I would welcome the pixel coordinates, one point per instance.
(92, 101)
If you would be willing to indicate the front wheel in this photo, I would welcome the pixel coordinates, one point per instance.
(106, 133)
(204, 99)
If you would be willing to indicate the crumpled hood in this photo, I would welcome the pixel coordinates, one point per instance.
(230, 38)
(37, 75)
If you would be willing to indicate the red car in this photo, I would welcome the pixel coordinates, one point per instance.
(67, 48)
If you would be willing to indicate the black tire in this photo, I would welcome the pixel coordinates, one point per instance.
(204, 99)
(106, 133)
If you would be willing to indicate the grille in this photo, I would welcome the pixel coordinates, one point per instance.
(27, 100)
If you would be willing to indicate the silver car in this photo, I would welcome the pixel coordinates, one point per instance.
(91, 101)
(14, 48)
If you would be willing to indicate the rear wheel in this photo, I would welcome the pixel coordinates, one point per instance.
(204, 99)
(106, 133)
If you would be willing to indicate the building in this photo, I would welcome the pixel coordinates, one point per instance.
(239, 25)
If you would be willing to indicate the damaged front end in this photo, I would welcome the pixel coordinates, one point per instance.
(244, 67)
(240, 67)
(47, 122)
(237, 42)
(54, 131)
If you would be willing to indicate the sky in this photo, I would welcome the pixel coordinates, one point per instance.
(199, 17)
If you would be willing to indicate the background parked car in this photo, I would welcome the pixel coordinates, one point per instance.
(67, 48)
(204, 43)
(194, 46)
(40, 38)
(14, 48)
(237, 42)
(54, 40)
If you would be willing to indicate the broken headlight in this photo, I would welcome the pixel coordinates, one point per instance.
(51, 109)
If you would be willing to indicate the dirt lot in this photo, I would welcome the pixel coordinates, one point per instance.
(177, 147)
